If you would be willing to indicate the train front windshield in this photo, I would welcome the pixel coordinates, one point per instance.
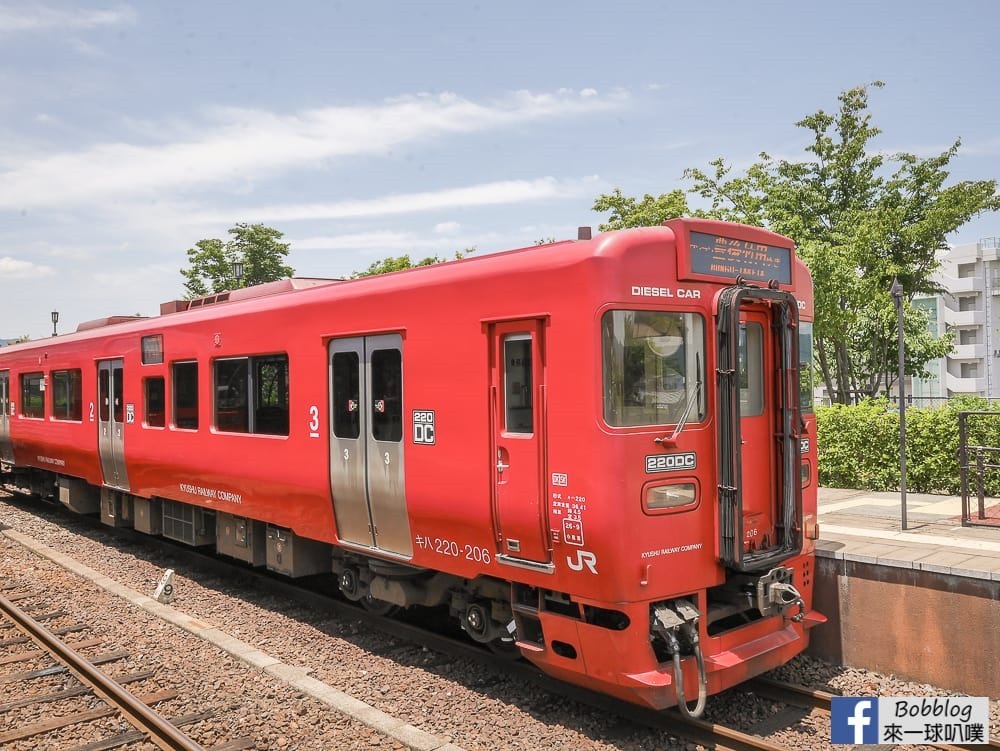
(653, 365)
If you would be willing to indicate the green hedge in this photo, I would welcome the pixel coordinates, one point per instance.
(859, 445)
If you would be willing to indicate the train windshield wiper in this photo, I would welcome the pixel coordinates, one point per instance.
(692, 400)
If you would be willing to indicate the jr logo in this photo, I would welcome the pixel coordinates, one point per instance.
(583, 558)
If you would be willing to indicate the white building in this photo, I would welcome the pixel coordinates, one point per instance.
(971, 309)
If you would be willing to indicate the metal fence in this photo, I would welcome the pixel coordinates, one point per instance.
(979, 468)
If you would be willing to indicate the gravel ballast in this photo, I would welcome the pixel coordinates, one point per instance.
(472, 705)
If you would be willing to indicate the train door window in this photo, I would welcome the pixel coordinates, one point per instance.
(67, 395)
(653, 366)
(33, 395)
(185, 393)
(155, 402)
(232, 381)
(270, 390)
(387, 395)
(518, 404)
(751, 369)
(104, 394)
(119, 406)
(346, 395)
(807, 373)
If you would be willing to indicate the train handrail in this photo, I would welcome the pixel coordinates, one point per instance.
(730, 436)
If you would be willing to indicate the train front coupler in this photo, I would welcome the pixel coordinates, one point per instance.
(676, 622)
(776, 594)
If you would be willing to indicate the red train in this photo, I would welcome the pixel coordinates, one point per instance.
(599, 452)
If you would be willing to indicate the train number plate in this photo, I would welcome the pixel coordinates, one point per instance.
(671, 462)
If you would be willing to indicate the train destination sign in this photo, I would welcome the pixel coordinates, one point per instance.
(728, 257)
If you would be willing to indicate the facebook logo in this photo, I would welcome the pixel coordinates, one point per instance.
(853, 719)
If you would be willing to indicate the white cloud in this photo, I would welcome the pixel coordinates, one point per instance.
(40, 18)
(485, 194)
(85, 49)
(12, 268)
(447, 228)
(240, 145)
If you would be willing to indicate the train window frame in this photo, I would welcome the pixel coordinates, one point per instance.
(152, 349)
(71, 409)
(34, 402)
(181, 378)
(253, 393)
(624, 392)
(148, 400)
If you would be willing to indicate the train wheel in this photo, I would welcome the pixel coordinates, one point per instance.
(505, 649)
(379, 607)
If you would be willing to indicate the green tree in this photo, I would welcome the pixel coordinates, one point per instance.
(258, 248)
(859, 219)
(645, 212)
(399, 263)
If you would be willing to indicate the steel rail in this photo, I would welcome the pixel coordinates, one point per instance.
(791, 693)
(719, 736)
(160, 731)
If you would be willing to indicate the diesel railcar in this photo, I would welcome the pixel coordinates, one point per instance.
(597, 453)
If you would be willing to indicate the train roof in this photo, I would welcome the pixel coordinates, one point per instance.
(554, 257)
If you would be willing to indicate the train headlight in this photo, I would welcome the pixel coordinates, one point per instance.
(667, 497)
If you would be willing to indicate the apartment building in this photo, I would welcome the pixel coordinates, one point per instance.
(971, 309)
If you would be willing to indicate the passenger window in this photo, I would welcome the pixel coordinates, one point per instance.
(251, 395)
(33, 395)
(270, 380)
(152, 349)
(155, 416)
(346, 395)
(518, 384)
(232, 380)
(185, 391)
(387, 395)
(67, 395)
(751, 356)
(807, 375)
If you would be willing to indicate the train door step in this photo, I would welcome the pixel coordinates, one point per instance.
(524, 603)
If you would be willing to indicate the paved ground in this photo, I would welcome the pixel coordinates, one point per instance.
(866, 526)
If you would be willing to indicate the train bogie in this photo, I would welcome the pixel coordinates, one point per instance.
(590, 452)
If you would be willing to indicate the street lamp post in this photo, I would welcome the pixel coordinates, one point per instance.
(55, 320)
(237, 272)
(897, 298)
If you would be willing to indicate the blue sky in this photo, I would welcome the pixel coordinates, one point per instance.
(129, 131)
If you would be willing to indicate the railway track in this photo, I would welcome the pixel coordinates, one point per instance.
(803, 696)
(444, 639)
(138, 711)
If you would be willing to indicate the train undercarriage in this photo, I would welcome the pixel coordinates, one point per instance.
(687, 639)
